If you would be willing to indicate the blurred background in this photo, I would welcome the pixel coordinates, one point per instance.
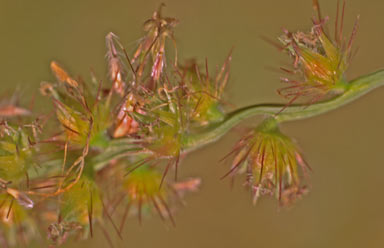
(344, 147)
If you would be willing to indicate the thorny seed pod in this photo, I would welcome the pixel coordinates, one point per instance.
(204, 96)
(82, 204)
(319, 59)
(83, 115)
(75, 124)
(272, 163)
(165, 113)
(143, 191)
(168, 117)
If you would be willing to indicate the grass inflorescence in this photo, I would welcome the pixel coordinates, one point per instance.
(115, 141)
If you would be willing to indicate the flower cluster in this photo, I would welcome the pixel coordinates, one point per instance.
(319, 60)
(82, 112)
(272, 163)
(143, 190)
(107, 147)
(148, 107)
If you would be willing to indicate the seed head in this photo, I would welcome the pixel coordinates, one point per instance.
(143, 190)
(82, 112)
(82, 203)
(272, 163)
(205, 92)
(320, 60)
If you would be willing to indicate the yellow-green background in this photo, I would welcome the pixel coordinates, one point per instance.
(345, 147)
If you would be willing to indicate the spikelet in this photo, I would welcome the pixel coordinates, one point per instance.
(272, 163)
(157, 29)
(115, 65)
(319, 61)
(144, 194)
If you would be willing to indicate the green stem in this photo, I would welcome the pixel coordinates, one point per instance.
(356, 89)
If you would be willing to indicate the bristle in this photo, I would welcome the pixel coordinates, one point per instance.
(125, 215)
(90, 213)
(165, 173)
(235, 167)
(274, 154)
(9, 209)
(316, 7)
(224, 69)
(278, 46)
(177, 160)
(342, 23)
(337, 22)
(137, 165)
(111, 220)
(353, 34)
(119, 200)
(234, 150)
(262, 161)
(27, 179)
(157, 208)
(4, 201)
(206, 71)
(98, 94)
(130, 64)
(288, 161)
(164, 203)
(139, 209)
(196, 106)
(289, 103)
(106, 235)
(44, 187)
